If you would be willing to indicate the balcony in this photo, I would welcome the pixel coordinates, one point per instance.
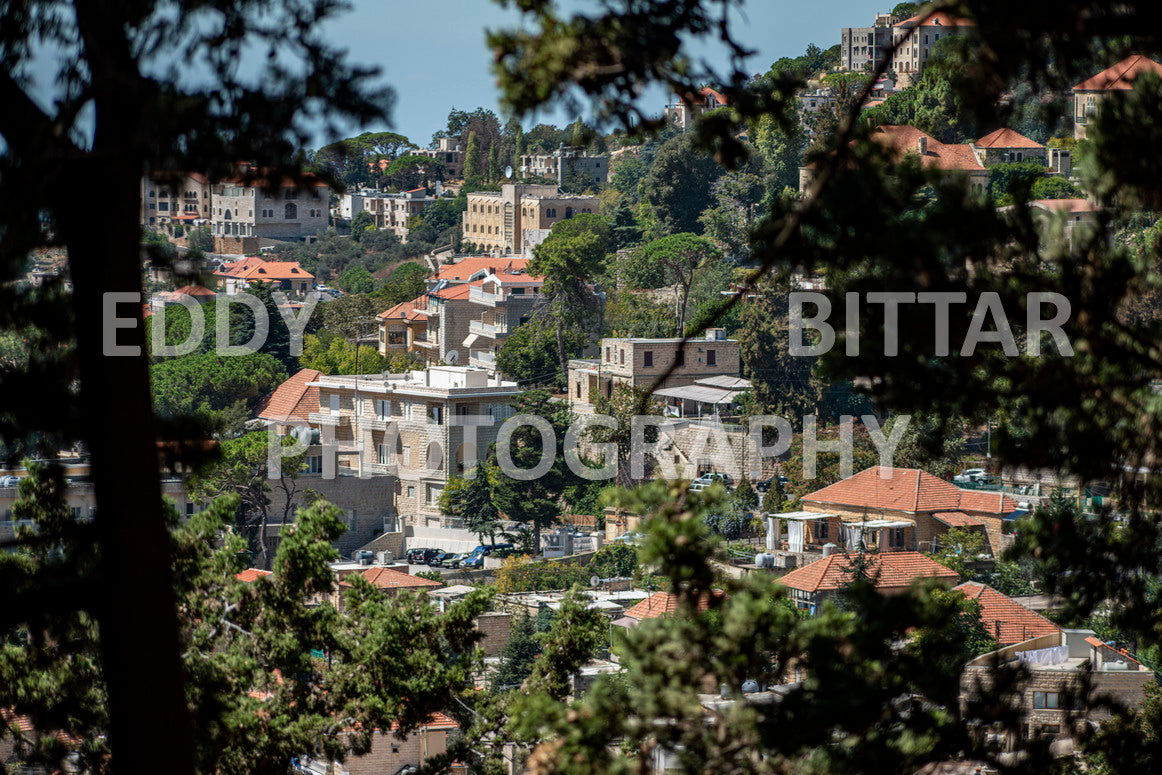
(490, 330)
(478, 295)
(482, 356)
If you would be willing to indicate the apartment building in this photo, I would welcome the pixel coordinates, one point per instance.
(449, 151)
(246, 209)
(176, 199)
(414, 430)
(567, 164)
(640, 362)
(919, 37)
(392, 212)
(1070, 673)
(864, 48)
(471, 308)
(1088, 94)
(684, 111)
(508, 221)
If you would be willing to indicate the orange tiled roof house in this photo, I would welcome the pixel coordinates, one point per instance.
(1090, 93)
(287, 276)
(894, 572)
(906, 509)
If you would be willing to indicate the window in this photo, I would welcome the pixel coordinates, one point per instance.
(608, 354)
(711, 358)
(648, 359)
(334, 403)
(1046, 700)
(551, 212)
(163, 206)
(291, 211)
(896, 537)
(578, 390)
(358, 407)
(434, 491)
(622, 356)
(290, 193)
(407, 457)
(680, 358)
(383, 455)
(382, 409)
(315, 464)
(822, 530)
(411, 491)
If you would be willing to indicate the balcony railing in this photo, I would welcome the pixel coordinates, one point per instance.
(483, 356)
(490, 330)
(480, 296)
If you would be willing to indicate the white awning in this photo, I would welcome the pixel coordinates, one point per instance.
(801, 515)
(724, 381)
(471, 339)
(875, 524)
(700, 393)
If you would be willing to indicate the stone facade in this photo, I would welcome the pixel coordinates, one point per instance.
(567, 164)
(495, 221)
(245, 208)
(178, 200)
(495, 626)
(391, 212)
(639, 362)
(863, 48)
(367, 504)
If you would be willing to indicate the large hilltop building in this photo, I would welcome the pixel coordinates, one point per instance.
(865, 48)
(512, 220)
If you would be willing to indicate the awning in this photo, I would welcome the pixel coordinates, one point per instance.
(957, 519)
(700, 393)
(801, 515)
(627, 622)
(471, 339)
(724, 381)
(876, 524)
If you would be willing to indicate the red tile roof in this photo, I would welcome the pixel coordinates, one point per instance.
(896, 570)
(909, 490)
(940, 19)
(435, 721)
(458, 291)
(195, 290)
(474, 266)
(293, 398)
(274, 270)
(904, 139)
(1006, 138)
(1071, 205)
(1120, 77)
(252, 574)
(662, 603)
(714, 94)
(390, 578)
(405, 310)
(957, 519)
(1005, 619)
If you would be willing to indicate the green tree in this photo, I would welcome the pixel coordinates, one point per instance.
(623, 404)
(1054, 187)
(677, 260)
(219, 391)
(531, 355)
(518, 144)
(745, 495)
(615, 560)
(1008, 181)
(535, 503)
(677, 187)
(572, 255)
(958, 547)
(518, 655)
(361, 224)
(473, 166)
(905, 10)
(728, 220)
(407, 281)
(473, 500)
(200, 238)
(782, 384)
(357, 280)
(337, 355)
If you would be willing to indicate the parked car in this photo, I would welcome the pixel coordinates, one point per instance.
(630, 538)
(764, 485)
(697, 486)
(971, 476)
(10, 481)
(476, 558)
(440, 560)
(453, 560)
(421, 556)
(714, 476)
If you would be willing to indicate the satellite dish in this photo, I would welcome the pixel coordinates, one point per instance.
(508, 171)
(595, 581)
(452, 357)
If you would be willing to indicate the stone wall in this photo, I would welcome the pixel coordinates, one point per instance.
(496, 627)
(366, 503)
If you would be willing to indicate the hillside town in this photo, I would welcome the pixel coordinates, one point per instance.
(805, 423)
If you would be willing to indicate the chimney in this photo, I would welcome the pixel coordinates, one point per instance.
(922, 144)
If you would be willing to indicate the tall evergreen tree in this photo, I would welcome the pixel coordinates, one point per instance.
(473, 167)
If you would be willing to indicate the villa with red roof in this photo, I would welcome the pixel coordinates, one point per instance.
(684, 111)
(468, 311)
(1006, 620)
(287, 276)
(894, 572)
(1005, 146)
(897, 509)
(920, 34)
(293, 401)
(1088, 94)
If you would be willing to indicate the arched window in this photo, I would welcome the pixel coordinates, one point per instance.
(226, 215)
(435, 457)
(292, 211)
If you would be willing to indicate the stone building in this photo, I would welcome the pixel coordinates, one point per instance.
(811, 585)
(471, 308)
(286, 276)
(175, 199)
(410, 430)
(391, 755)
(896, 509)
(567, 164)
(450, 152)
(498, 222)
(640, 362)
(1006, 146)
(247, 209)
(1090, 93)
(920, 36)
(1052, 698)
(391, 212)
(684, 111)
(863, 48)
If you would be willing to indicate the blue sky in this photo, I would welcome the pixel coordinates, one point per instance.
(432, 52)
